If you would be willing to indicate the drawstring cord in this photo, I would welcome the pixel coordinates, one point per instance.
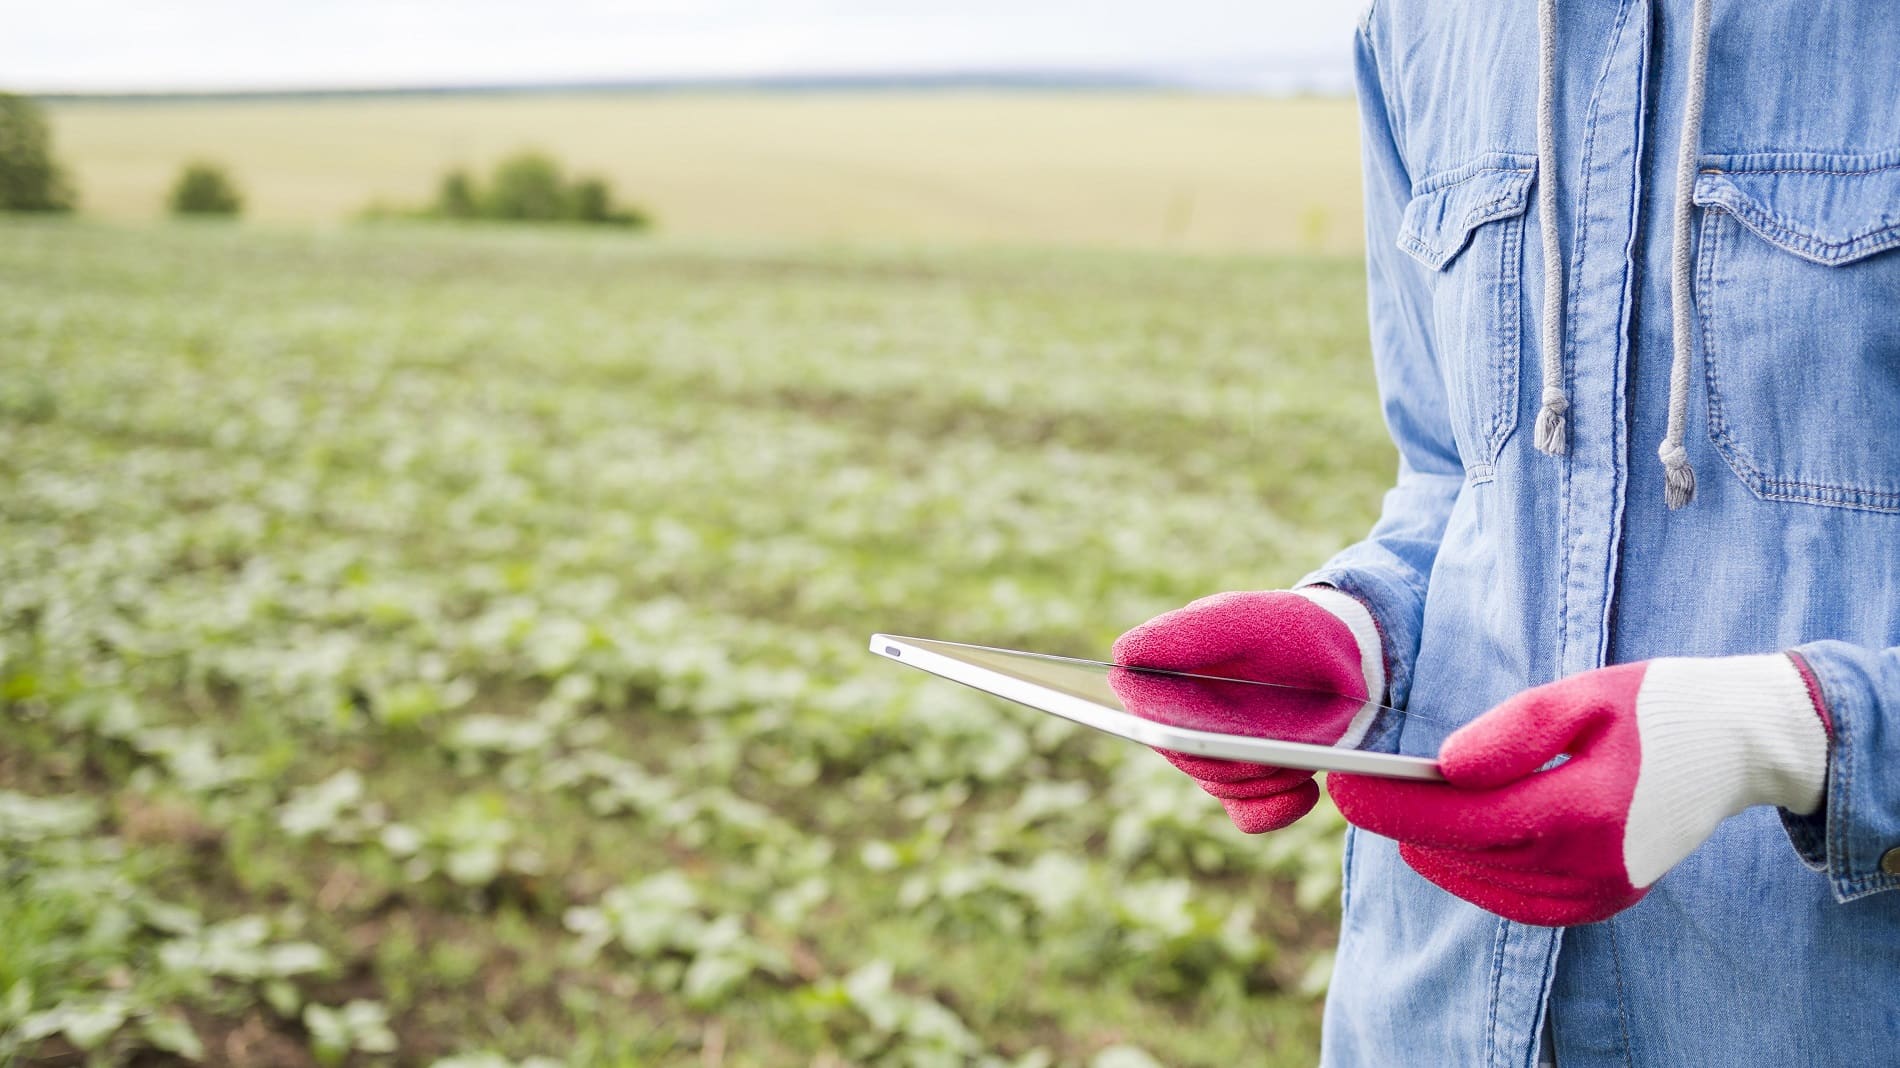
(1550, 417)
(1678, 476)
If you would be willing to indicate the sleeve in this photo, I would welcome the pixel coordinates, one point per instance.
(1388, 570)
(1854, 837)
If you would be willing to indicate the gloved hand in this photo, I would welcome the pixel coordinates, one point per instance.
(1659, 753)
(1318, 639)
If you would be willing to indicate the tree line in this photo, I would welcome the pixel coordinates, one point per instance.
(525, 187)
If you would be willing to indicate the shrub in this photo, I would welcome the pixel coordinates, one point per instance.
(455, 197)
(525, 187)
(30, 179)
(591, 200)
(204, 189)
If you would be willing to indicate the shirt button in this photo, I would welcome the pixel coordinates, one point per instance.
(1890, 861)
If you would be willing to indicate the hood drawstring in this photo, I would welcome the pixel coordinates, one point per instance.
(1550, 418)
(1678, 476)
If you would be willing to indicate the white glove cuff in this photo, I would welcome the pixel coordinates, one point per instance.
(1365, 631)
(1719, 735)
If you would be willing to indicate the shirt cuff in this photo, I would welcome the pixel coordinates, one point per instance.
(1858, 822)
(1396, 608)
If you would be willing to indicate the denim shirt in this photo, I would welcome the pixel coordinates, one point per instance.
(1495, 567)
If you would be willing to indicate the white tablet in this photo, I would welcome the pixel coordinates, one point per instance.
(1091, 693)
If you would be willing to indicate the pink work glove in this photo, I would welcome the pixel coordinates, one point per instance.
(1317, 639)
(1659, 753)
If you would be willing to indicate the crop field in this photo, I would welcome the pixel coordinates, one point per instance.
(436, 646)
(1146, 170)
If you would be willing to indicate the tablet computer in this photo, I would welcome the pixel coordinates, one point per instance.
(1165, 709)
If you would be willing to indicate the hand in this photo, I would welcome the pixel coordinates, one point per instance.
(1319, 642)
(1659, 753)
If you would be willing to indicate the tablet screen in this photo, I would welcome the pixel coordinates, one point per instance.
(1200, 702)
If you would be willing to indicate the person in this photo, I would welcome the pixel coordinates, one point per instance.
(1634, 290)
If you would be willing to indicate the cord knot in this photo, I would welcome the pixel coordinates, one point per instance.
(1551, 428)
(1678, 476)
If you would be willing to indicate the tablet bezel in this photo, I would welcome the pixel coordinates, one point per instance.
(1124, 724)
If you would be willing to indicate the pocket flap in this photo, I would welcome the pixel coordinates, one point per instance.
(1829, 209)
(1448, 206)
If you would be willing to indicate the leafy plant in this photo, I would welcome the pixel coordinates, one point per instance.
(876, 1022)
(355, 1026)
(660, 921)
(470, 624)
(204, 188)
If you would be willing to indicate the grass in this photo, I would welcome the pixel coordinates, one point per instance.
(444, 646)
(1118, 169)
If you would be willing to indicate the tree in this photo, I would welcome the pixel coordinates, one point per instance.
(30, 179)
(526, 186)
(204, 189)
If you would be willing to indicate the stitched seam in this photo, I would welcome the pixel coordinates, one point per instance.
(1619, 372)
(1551, 940)
(1511, 202)
(1499, 208)
(1862, 245)
(1564, 470)
(1489, 160)
(1622, 1006)
(1780, 230)
(1843, 171)
(1497, 977)
(1563, 565)
(1411, 243)
(1719, 436)
(1847, 885)
(1510, 348)
(1832, 496)
(1807, 160)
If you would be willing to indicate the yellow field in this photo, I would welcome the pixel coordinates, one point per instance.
(1126, 169)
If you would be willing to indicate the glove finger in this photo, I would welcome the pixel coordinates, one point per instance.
(1210, 769)
(1546, 908)
(1530, 730)
(1282, 780)
(1510, 874)
(1197, 634)
(1440, 814)
(1257, 815)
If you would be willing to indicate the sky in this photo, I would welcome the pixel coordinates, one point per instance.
(115, 45)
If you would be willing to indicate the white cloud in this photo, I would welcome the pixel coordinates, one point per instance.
(113, 44)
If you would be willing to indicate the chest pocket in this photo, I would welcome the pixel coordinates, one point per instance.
(1467, 226)
(1798, 298)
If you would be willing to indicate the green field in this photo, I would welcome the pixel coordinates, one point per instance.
(433, 644)
(1116, 169)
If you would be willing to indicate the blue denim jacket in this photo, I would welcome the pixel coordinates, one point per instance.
(1495, 566)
